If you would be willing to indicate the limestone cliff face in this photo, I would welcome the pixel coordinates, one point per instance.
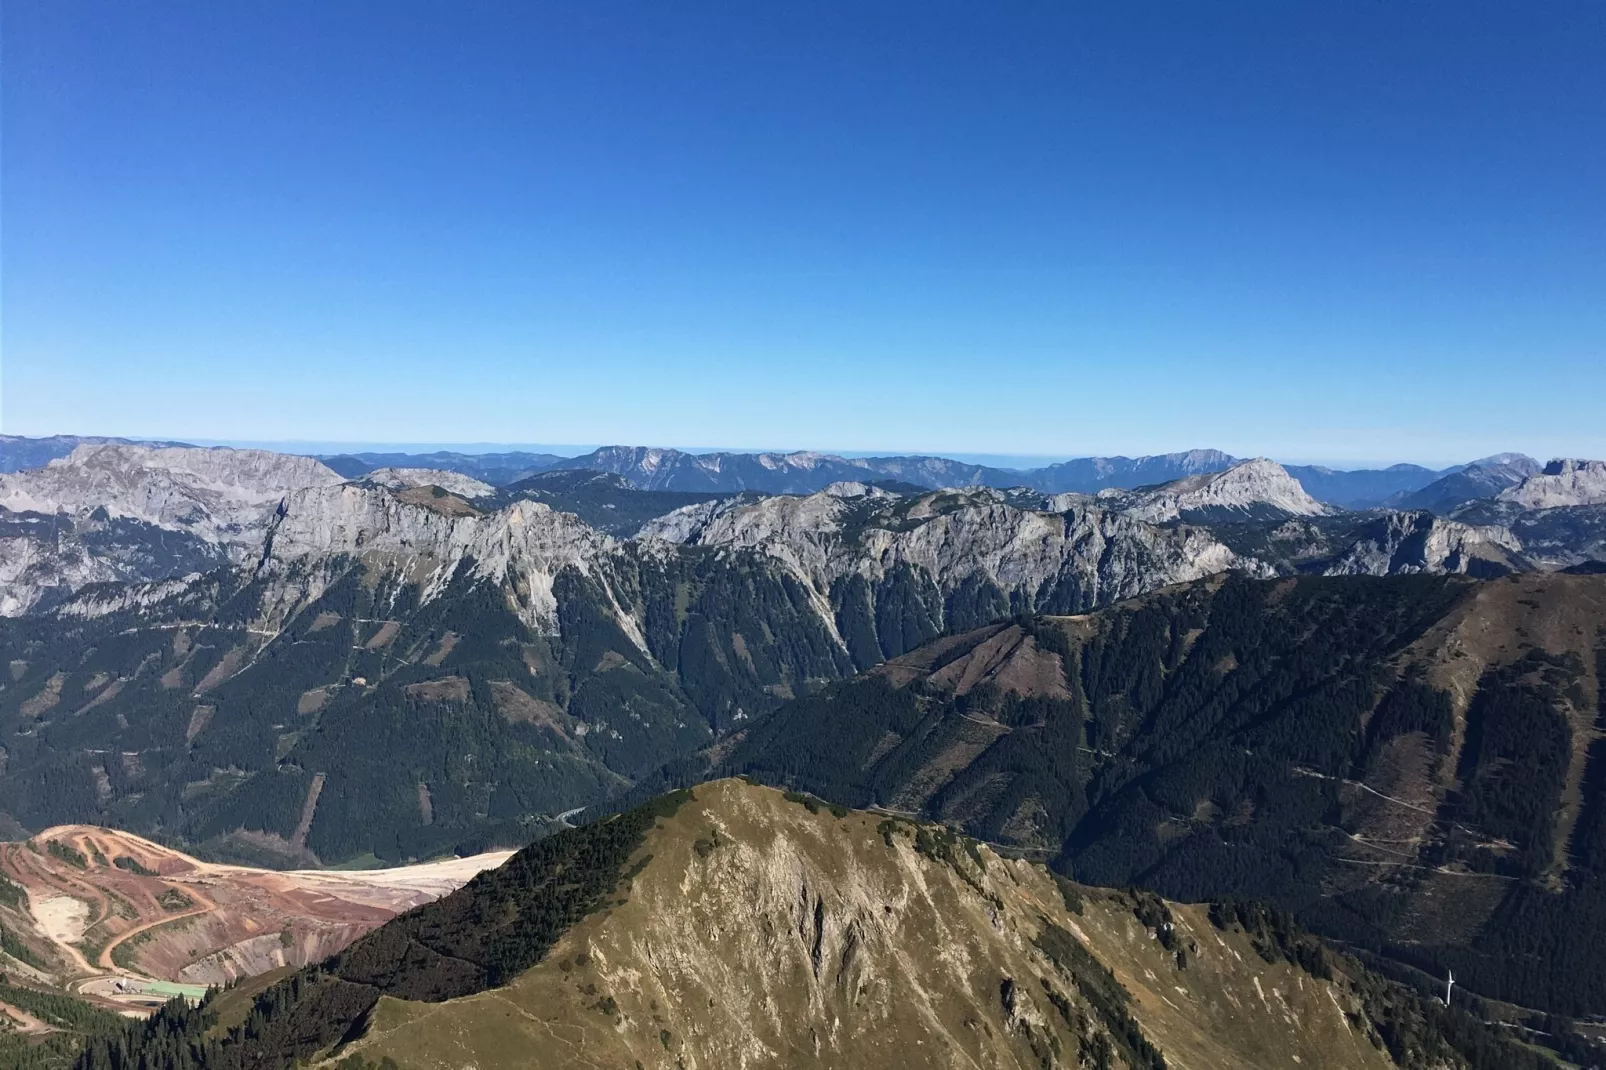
(760, 932)
(1563, 483)
(1402, 543)
(110, 514)
(217, 494)
(955, 538)
(523, 547)
(1249, 489)
(120, 513)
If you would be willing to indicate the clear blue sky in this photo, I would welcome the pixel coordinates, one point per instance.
(1348, 230)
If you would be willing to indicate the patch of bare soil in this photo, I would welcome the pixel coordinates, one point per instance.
(47, 698)
(383, 637)
(1012, 660)
(199, 719)
(225, 668)
(439, 654)
(515, 704)
(309, 808)
(446, 689)
(919, 663)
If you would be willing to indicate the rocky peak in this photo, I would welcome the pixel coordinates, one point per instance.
(972, 539)
(1249, 489)
(1563, 482)
(525, 545)
(216, 494)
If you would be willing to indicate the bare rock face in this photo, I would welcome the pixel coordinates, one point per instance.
(1248, 490)
(1418, 541)
(122, 514)
(523, 546)
(215, 494)
(1563, 483)
(955, 538)
(116, 513)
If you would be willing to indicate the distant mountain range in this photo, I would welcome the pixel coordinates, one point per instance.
(260, 658)
(216, 609)
(806, 472)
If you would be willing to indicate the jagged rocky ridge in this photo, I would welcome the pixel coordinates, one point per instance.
(112, 512)
(241, 506)
(1249, 490)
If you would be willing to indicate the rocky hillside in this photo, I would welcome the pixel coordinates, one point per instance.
(18, 452)
(1562, 483)
(451, 482)
(497, 469)
(1249, 490)
(918, 564)
(116, 514)
(737, 926)
(516, 663)
(1403, 543)
(113, 512)
(1416, 765)
(777, 473)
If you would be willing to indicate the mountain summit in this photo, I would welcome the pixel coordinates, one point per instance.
(1565, 482)
(1257, 489)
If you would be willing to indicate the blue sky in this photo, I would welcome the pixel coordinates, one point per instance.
(1350, 231)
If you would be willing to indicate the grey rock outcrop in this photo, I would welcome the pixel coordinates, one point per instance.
(954, 539)
(1255, 489)
(112, 512)
(1563, 483)
(1397, 543)
(215, 494)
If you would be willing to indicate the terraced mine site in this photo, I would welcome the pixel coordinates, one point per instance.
(124, 921)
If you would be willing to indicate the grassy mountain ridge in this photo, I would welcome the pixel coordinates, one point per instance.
(740, 925)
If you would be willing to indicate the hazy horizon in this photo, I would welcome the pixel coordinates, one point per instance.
(334, 447)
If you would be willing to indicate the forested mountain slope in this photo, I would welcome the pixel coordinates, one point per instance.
(734, 926)
(1415, 764)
